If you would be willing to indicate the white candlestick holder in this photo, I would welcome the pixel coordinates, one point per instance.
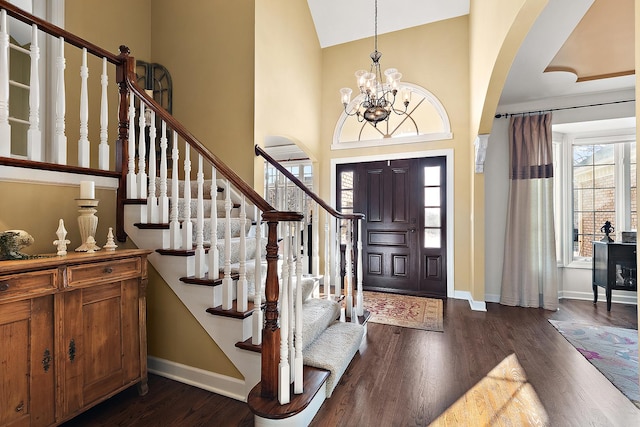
(88, 223)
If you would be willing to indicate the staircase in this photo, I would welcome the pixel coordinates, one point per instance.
(328, 344)
(233, 259)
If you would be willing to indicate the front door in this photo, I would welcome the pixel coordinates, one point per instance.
(404, 231)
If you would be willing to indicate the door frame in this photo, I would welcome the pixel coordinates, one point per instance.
(448, 154)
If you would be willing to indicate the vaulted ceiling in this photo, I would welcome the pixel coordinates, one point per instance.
(575, 47)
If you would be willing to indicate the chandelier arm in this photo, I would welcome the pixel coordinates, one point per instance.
(414, 108)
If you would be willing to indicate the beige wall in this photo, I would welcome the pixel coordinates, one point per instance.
(288, 77)
(436, 57)
(107, 24)
(207, 46)
(212, 72)
(497, 29)
(173, 333)
(37, 208)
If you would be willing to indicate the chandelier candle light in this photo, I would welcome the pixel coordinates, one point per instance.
(87, 221)
(379, 96)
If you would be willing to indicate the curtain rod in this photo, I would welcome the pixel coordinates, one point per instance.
(507, 115)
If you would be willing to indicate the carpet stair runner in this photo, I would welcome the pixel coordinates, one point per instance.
(328, 344)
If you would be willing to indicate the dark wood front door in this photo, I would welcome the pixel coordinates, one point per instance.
(404, 232)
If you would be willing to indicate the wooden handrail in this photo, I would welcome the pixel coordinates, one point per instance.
(54, 30)
(299, 184)
(225, 170)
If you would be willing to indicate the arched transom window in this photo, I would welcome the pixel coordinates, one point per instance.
(424, 120)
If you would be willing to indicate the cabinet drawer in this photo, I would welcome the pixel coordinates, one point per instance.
(102, 272)
(27, 285)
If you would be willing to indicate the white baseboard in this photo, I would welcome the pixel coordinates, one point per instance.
(616, 297)
(475, 305)
(206, 380)
(619, 297)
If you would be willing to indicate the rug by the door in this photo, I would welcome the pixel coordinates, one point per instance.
(406, 311)
(613, 351)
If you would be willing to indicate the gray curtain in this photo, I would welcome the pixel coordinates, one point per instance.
(530, 272)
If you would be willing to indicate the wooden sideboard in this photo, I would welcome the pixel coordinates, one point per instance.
(72, 333)
(614, 267)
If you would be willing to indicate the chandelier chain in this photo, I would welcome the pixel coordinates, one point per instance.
(375, 27)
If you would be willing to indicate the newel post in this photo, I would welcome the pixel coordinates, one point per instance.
(271, 331)
(123, 69)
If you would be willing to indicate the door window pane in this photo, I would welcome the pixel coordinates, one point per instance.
(432, 237)
(431, 175)
(432, 196)
(432, 217)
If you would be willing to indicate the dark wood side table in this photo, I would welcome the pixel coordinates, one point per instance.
(614, 267)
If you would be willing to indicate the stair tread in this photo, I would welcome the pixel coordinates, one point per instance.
(152, 226)
(248, 345)
(218, 311)
(205, 281)
(272, 409)
(179, 252)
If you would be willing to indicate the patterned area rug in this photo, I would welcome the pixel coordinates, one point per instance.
(405, 311)
(613, 351)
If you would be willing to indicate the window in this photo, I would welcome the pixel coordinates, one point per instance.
(282, 194)
(598, 184)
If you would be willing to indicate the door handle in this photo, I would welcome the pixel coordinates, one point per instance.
(412, 229)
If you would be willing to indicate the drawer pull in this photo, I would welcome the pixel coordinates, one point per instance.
(46, 360)
(20, 407)
(4, 286)
(72, 350)
(108, 270)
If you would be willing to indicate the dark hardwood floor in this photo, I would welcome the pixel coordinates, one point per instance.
(408, 377)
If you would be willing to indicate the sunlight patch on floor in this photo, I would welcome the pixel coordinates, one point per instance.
(503, 397)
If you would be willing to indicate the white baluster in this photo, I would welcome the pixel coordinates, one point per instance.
(297, 364)
(60, 144)
(315, 239)
(327, 257)
(142, 155)
(293, 250)
(34, 135)
(214, 253)
(152, 199)
(304, 232)
(336, 271)
(132, 189)
(284, 377)
(242, 303)
(348, 278)
(227, 282)
(163, 203)
(359, 298)
(201, 265)
(5, 127)
(83, 142)
(187, 226)
(175, 240)
(103, 148)
(256, 337)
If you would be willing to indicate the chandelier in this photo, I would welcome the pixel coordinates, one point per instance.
(379, 96)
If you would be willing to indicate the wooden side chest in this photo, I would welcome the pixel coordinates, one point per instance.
(72, 333)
